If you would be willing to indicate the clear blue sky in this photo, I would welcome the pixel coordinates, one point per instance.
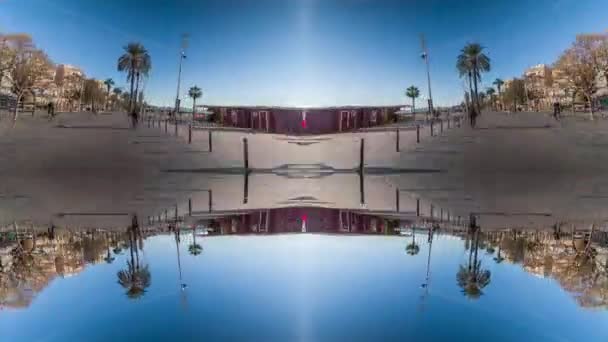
(303, 52)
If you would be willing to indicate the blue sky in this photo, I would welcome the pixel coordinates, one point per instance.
(303, 52)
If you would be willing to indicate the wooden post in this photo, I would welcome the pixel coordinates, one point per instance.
(362, 187)
(176, 213)
(432, 210)
(246, 188)
(176, 127)
(362, 157)
(417, 133)
(397, 198)
(397, 131)
(431, 128)
(441, 125)
(189, 133)
(417, 206)
(210, 142)
(166, 122)
(246, 155)
(189, 206)
(210, 200)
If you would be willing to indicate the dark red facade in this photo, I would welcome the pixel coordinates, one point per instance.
(289, 120)
(298, 220)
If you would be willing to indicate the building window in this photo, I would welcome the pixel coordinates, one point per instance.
(234, 117)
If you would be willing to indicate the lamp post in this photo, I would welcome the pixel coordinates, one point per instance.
(182, 56)
(425, 56)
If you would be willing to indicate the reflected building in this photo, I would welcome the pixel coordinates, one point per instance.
(31, 260)
(301, 220)
(577, 260)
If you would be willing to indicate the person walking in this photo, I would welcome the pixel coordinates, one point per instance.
(556, 110)
(473, 117)
(51, 110)
(134, 119)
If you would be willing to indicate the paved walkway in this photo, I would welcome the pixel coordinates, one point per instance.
(82, 164)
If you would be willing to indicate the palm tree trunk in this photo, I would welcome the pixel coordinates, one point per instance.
(414, 107)
(476, 94)
(132, 77)
(471, 89)
(476, 249)
(131, 248)
(136, 90)
(193, 106)
(500, 98)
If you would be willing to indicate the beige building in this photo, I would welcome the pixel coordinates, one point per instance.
(539, 80)
(69, 80)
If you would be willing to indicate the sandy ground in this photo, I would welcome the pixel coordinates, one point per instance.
(522, 168)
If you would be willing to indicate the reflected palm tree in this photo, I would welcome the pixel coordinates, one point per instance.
(194, 248)
(499, 258)
(109, 258)
(413, 248)
(135, 279)
(472, 278)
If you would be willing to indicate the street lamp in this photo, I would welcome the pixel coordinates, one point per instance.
(425, 56)
(182, 56)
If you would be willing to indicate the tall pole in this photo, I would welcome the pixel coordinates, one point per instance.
(425, 56)
(182, 56)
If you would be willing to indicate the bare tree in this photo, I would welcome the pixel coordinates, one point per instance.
(25, 66)
(580, 66)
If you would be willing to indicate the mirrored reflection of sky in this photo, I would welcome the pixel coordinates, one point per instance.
(304, 287)
(303, 52)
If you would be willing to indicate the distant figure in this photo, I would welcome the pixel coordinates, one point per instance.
(134, 118)
(472, 222)
(473, 117)
(556, 110)
(134, 222)
(51, 110)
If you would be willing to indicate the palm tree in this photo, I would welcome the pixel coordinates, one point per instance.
(109, 84)
(474, 62)
(472, 278)
(109, 258)
(135, 279)
(135, 62)
(490, 93)
(413, 248)
(413, 92)
(116, 96)
(194, 92)
(194, 248)
(499, 258)
(498, 83)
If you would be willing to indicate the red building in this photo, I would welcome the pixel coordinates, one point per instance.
(292, 120)
(301, 220)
